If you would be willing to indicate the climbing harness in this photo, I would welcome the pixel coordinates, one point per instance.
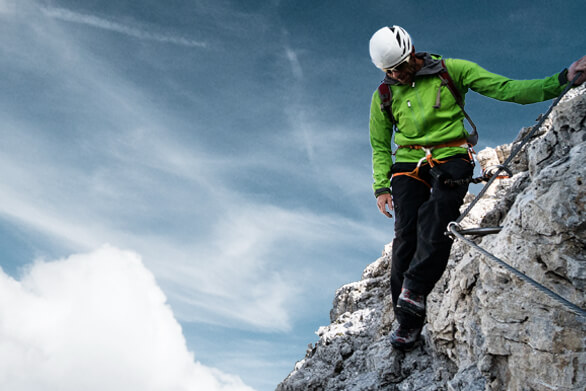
(434, 171)
(455, 230)
(443, 178)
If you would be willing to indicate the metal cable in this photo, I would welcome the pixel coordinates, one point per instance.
(569, 305)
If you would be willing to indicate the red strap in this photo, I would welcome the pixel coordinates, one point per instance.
(386, 97)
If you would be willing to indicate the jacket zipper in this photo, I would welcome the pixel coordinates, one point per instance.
(417, 120)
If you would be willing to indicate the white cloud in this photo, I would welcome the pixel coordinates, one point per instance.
(95, 321)
(94, 21)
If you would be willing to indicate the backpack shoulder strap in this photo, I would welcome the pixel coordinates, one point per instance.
(386, 98)
(445, 76)
(447, 79)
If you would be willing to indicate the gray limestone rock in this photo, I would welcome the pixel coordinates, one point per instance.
(486, 328)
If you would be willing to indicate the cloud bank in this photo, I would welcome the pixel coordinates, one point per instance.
(95, 321)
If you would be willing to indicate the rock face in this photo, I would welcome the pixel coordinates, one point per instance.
(487, 329)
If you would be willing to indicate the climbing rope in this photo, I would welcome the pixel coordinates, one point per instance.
(455, 229)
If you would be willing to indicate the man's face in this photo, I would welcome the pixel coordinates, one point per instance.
(404, 73)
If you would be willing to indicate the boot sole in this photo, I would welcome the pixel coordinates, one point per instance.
(410, 309)
(406, 347)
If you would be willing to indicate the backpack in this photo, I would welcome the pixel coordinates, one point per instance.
(386, 97)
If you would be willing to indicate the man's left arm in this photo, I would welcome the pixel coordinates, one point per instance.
(478, 79)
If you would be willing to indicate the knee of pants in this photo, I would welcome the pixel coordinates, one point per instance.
(405, 236)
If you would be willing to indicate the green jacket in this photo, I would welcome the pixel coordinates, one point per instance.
(419, 123)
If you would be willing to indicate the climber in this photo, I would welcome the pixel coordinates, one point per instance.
(428, 119)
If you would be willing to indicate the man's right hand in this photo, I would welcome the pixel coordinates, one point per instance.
(578, 66)
(383, 202)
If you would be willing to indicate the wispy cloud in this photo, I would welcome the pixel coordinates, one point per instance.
(94, 155)
(123, 174)
(94, 21)
(294, 63)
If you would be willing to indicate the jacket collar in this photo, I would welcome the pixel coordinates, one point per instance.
(431, 66)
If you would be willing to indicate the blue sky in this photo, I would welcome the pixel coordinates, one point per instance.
(226, 144)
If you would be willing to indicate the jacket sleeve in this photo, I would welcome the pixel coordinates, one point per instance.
(469, 75)
(381, 132)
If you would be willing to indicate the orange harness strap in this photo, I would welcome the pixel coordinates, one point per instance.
(428, 159)
(412, 174)
(461, 142)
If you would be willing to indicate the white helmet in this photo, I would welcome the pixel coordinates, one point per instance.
(389, 46)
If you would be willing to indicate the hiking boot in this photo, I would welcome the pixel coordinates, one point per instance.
(411, 303)
(404, 338)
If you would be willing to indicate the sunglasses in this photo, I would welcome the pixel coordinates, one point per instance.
(399, 67)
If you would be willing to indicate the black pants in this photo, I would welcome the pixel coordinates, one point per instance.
(420, 247)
